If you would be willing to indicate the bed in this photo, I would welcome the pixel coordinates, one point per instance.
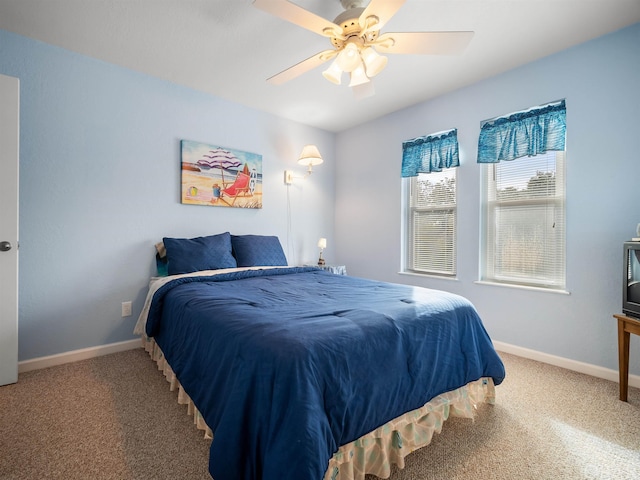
(298, 373)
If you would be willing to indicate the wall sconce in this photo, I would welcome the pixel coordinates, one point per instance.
(322, 244)
(309, 157)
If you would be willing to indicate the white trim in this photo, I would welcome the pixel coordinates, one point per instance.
(522, 287)
(581, 367)
(430, 275)
(92, 352)
(76, 355)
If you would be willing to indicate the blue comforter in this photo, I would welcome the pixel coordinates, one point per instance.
(286, 365)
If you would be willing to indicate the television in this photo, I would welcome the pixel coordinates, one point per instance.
(631, 280)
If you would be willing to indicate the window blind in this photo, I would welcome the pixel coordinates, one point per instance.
(432, 245)
(525, 221)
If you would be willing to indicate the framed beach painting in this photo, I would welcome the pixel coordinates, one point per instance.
(221, 177)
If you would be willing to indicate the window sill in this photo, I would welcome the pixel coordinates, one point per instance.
(522, 287)
(429, 275)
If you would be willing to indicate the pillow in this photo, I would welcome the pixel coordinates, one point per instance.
(258, 251)
(201, 253)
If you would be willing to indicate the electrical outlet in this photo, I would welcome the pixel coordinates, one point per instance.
(126, 309)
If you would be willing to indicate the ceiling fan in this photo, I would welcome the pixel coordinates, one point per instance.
(356, 39)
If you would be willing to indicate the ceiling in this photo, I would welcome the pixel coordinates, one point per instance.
(229, 48)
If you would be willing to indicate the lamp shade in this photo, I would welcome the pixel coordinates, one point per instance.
(373, 62)
(349, 58)
(358, 77)
(333, 73)
(310, 156)
(322, 243)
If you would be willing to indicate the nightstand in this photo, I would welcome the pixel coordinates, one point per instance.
(337, 269)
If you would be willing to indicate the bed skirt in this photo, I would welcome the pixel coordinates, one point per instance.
(374, 452)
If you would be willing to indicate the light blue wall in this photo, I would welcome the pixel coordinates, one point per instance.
(100, 184)
(600, 82)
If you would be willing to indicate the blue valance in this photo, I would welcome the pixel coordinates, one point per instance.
(524, 133)
(431, 153)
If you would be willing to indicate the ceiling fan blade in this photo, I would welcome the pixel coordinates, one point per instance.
(299, 16)
(302, 67)
(425, 43)
(382, 9)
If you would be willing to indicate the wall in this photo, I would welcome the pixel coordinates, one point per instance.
(599, 81)
(100, 185)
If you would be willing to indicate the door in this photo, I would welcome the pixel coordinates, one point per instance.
(9, 141)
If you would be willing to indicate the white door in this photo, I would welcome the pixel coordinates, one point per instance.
(9, 141)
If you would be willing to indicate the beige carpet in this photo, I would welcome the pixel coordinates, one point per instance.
(114, 417)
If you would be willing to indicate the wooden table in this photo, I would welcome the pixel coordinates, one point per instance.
(626, 326)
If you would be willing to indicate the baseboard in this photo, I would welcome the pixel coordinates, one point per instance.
(92, 352)
(581, 367)
(76, 355)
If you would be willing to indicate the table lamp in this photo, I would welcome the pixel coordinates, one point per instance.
(322, 244)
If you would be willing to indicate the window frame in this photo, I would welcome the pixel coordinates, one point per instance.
(411, 183)
(490, 206)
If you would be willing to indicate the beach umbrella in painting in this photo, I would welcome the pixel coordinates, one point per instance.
(219, 158)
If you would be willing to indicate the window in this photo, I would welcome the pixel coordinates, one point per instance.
(432, 223)
(524, 197)
(525, 221)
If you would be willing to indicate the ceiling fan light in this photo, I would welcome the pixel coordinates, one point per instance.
(374, 63)
(333, 73)
(358, 77)
(349, 58)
